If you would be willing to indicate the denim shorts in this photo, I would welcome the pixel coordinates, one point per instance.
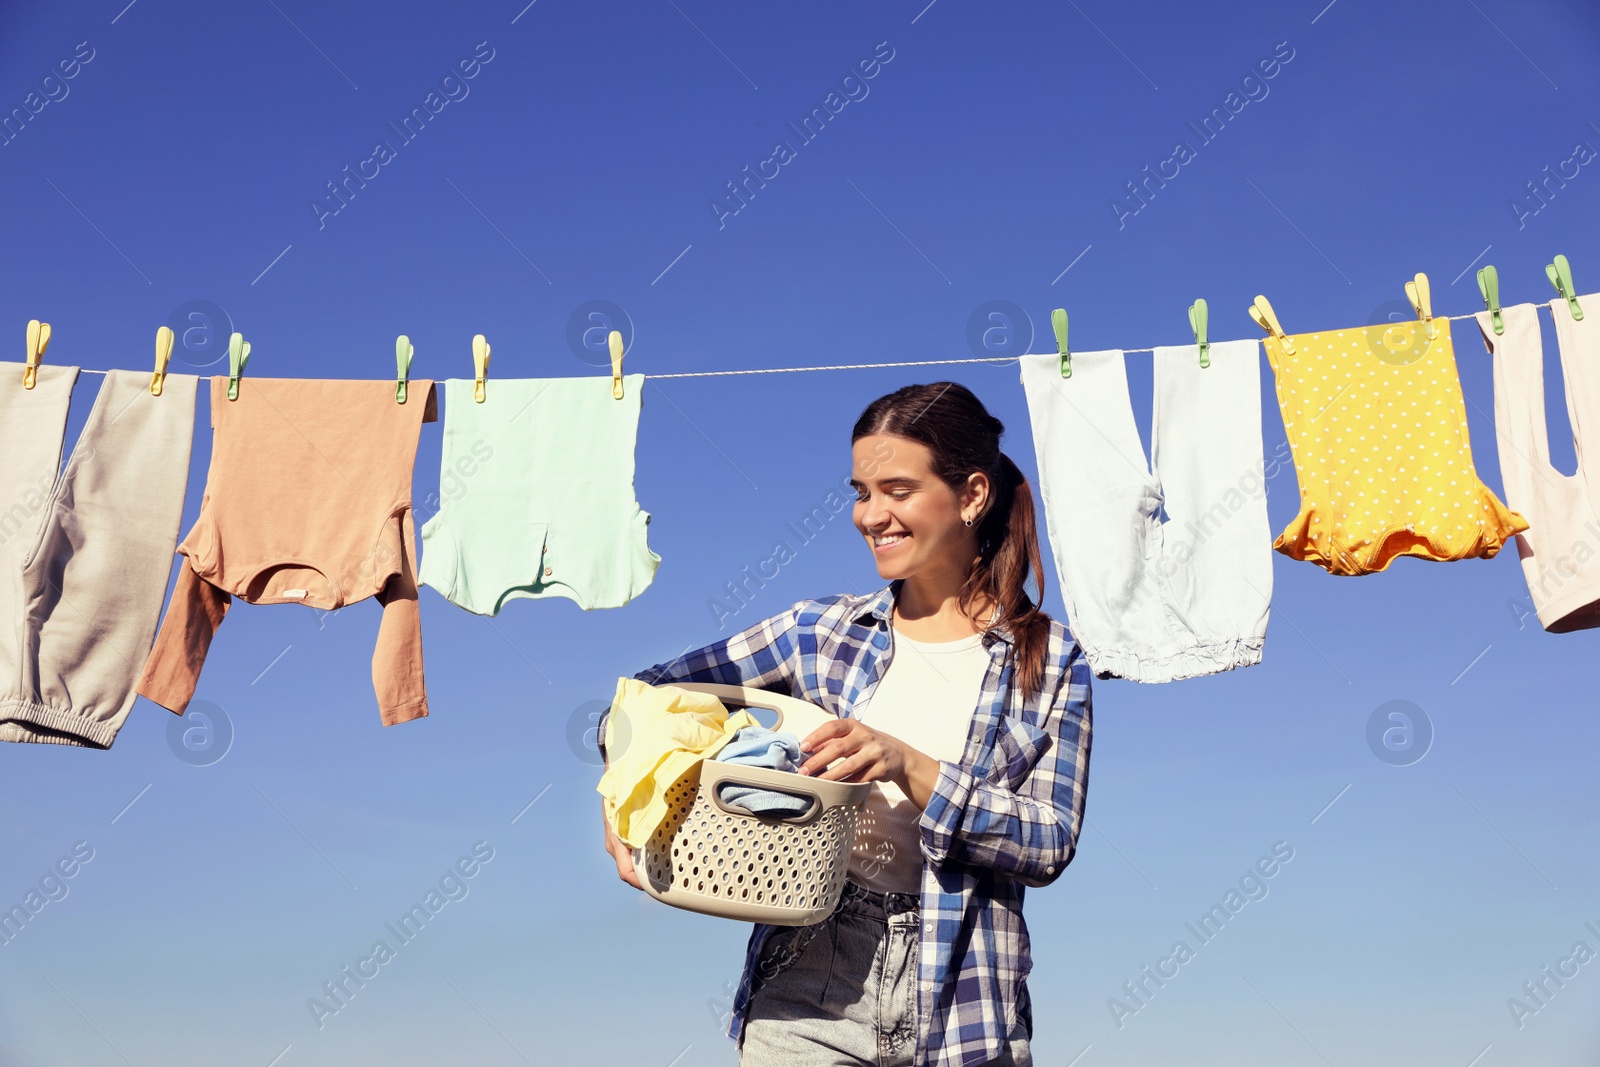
(844, 990)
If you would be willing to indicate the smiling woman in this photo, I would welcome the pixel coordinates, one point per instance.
(977, 748)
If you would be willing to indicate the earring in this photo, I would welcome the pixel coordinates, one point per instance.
(969, 522)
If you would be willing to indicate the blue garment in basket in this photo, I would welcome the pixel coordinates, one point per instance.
(757, 746)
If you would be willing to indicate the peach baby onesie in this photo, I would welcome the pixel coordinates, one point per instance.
(307, 501)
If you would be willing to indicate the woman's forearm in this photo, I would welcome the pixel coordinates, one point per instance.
(920, 775)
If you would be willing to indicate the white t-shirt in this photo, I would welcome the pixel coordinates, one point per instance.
(927, 699)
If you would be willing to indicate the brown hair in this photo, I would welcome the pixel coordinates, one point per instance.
(965, 438)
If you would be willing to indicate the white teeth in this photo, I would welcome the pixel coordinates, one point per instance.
(893, 539)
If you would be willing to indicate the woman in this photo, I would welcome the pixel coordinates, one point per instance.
(968, 709)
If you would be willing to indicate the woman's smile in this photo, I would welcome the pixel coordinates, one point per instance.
(884, 543)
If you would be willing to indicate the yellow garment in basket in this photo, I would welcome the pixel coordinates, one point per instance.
(1378, 430)
(654, 735)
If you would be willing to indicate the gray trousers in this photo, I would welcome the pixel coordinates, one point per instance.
(85, 557)
(844, 991)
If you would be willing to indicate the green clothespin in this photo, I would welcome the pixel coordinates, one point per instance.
(403, 351)
(1489, 286)
(1058, 319)
(238, 356)
(1197, 320)
(1560, 275)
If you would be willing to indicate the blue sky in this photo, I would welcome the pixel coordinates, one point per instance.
(184, 168)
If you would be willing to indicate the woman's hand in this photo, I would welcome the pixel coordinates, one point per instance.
(620, 852)
(868, 756)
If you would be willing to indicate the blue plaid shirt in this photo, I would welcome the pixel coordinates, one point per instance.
(1007, 816)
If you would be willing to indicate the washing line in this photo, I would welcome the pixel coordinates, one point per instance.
(863, 366)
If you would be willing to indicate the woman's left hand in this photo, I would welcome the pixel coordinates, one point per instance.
(868, 755)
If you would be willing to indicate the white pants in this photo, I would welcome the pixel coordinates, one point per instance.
(1152, 599)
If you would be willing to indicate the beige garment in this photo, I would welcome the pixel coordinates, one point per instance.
(1560, 550)
(85, 556)
(307, 501)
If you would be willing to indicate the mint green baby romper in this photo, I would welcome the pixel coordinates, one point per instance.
(536, 495)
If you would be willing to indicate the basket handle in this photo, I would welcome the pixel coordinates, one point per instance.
(714, 772)
(751, 697)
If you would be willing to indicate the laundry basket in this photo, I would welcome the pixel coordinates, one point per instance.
(787, 870)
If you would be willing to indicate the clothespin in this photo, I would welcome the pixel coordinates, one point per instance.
(163, 357)
(1058, 321)
(1560, 275)
(1489, 286)
(38, 341)
(238, 356)
(1197, 320)
(1267, 319)
(1422, 303)
(614, 339)
(403, 351)
(480, 366)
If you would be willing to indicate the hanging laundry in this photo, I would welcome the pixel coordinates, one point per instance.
(1153, 598)
(1378, 430)
(757, 746)
(537, 498)
(655, 735)
(1560, 550)
(307, 501)
(85, 557)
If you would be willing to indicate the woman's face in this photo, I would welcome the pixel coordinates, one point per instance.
(912, 521)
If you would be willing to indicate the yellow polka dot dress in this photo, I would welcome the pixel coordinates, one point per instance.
(1378, 430)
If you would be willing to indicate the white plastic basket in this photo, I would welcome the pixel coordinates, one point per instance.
(787, 870)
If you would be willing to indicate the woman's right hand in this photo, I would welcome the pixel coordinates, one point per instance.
(620, 852)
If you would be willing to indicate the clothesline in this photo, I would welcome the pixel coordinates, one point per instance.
(848, 366)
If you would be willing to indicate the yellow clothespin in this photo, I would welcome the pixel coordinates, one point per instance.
(38, 341)
(480, 366)
(163, 357)
(1267, 319)
(1417, 293)
(614, 338)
